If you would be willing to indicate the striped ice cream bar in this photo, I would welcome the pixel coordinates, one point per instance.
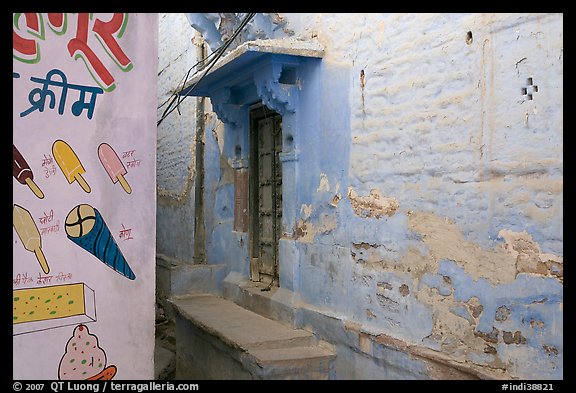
(86, 227)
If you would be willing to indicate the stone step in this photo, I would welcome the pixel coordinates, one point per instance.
(311, 362)
(164, 362)
(241, 344)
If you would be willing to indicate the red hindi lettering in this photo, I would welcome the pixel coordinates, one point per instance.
(56, 21)
(107, 30)
(26, 49)
(78, 46)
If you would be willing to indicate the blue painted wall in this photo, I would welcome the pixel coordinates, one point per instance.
(429, 185)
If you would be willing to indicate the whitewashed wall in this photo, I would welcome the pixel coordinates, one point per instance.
(89, 311)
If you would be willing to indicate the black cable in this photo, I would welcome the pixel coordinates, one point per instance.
(219, 52)
(175, 94)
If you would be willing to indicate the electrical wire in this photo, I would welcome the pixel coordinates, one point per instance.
(177, 96)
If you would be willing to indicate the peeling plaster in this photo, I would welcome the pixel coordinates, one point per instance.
(306, 231)
(217, 126)
(519, 253)
(374, 205)
(531, 316)
(453, 332)
(497, 306)
(306, 211)
(502, 313)
(513, 338)
(324, 183)
(529, 258)
(465, 287)
(445, 240)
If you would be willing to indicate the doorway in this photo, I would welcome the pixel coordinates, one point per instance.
(265, 194)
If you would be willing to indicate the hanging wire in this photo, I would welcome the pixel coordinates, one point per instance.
(185, 78)
(177, 96)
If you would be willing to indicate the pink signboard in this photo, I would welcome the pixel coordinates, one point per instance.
(84, 195)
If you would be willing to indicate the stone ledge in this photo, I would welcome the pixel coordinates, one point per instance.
(278, 304)
(254, 345)
(286, 307)
(237, 326)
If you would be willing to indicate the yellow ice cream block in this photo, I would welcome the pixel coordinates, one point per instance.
(49, 307)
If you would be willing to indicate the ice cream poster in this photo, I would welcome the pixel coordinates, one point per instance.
(84, 195)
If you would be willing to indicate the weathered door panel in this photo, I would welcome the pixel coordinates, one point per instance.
(267, 193)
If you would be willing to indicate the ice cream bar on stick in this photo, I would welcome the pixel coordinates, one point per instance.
(69, 163)
(22, 172)
(85, 226)
(113, 166)
(29, 234)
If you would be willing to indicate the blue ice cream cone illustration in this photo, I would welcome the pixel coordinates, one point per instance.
(85, 226)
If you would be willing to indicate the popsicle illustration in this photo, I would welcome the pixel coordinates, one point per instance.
(113, 166)
(22, 172)
(69, 163)
(85, 226)
(29, 235)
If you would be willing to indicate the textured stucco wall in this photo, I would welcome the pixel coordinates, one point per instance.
(176, 140)
(429, 189)
(449, 233)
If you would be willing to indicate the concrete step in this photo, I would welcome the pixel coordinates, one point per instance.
(218, 339)
(164, 362)
(310, 362)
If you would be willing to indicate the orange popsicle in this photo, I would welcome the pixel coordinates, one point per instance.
(69, 163)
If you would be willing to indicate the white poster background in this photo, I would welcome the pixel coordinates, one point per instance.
(125, 118)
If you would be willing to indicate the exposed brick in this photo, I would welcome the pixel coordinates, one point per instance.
(477, 310)
(513, 338)
(491, 337)
(404, 290)
(502, 314)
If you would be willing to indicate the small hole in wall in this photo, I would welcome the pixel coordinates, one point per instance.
(530, 89)
(288, 76)
(289, 140)
(469, 38)
(238, 151)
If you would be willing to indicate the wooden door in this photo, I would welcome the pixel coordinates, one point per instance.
(266, 195)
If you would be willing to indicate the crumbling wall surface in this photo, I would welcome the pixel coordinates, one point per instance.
(175, 146)
(223, 244)
(439, 221)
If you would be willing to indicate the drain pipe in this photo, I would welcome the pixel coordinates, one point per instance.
(199, 226)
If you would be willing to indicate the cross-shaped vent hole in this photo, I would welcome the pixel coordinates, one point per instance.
(530, 89)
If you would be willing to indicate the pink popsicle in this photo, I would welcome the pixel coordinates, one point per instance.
(113, 165)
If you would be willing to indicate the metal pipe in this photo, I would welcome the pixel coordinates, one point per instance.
(199, 225)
